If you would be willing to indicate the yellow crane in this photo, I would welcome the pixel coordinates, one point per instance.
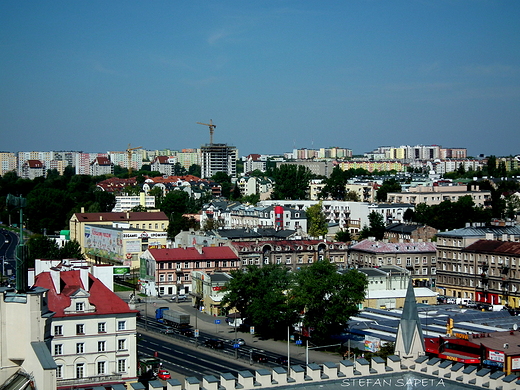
(129, 151)
(211, 129)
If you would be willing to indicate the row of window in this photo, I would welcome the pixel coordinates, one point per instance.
(101, 368)
(187, 264)
(398, 260)
(101, 347)
(143, 226)
(80, 328)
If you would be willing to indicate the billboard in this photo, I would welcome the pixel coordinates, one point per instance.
(372, 344)
(105, 243)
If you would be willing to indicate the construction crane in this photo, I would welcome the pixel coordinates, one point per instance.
(211, 129)
(129, 151)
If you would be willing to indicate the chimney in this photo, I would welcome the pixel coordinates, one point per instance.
(100, 217)
(82, 210)
(83, 275)
(127, 215)
(56, 280)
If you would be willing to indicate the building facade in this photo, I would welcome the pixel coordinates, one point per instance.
(218, 158)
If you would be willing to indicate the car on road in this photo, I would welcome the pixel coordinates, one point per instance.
(168, 330)
(214, 343)
(164, 375)
(186, 332)
(282, 360)
(181, 297)
(259, 357)
(240, 342)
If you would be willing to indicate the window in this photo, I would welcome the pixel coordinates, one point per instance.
(161, 278)
(101, 345)
(80, 306)
(170, 277)
(59, 371)
(101, 368)
(101, 327)
(80, 347)
(58, 349)
(186, 277)
(425, 271)
(408, 261)
(80, 329)
(58, 330)
(80, 370)
(398, 261)
(121, 325)
(187, 265)
(121, 365)
(121, 344)
(208, 264)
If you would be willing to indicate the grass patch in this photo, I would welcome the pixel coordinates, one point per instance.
(119, 288)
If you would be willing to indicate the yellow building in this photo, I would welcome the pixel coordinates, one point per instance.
(118, 238)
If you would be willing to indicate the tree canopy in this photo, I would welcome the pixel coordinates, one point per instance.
(272, 298)
(376, 226)
(390, 185)
(291, 182)
(316, 220)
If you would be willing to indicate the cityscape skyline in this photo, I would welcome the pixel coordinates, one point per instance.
(273, 76)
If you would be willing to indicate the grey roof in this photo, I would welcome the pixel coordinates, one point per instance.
(248, 233)
(403, 227)
(481, 231)
(44, 355)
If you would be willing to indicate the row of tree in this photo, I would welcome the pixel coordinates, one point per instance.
(318, 297)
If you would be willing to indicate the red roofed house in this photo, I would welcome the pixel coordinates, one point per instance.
(94, 331)
(31, 169)
(101, 166)
(169, 271)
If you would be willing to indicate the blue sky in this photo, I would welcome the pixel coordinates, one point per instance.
(272, 75)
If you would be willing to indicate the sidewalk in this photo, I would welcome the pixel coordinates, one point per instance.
(206, 323)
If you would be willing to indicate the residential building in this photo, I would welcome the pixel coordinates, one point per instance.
(7, 162)
(458, 272)
(219, 158)
(255, 185)
(189, 157)
(31, 169)
(254, 162)
(320, 168)
(25, 338)
(94, 331)
(164, 164)
(451, 165)
(294, 253)
(373, 165)
(409, 232)
(419, 258)
(128, 202)
(101, 166)
(170, 271)
(496, 271)
(434, 195)
(116, 185)
(131, 158)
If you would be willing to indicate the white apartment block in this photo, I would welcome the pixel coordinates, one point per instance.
(433, 195)
(443, 166)
(126, 203)
(219, 158)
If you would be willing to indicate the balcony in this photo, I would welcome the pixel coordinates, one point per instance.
(89, 380)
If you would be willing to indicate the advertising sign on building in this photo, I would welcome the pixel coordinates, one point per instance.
(496, 356)
(515, 363)
(133, 246)
(372, 344)
(104, 243)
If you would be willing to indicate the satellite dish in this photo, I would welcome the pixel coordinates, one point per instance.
(515, 326)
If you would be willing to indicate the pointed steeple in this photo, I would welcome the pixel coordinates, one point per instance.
(409, 342)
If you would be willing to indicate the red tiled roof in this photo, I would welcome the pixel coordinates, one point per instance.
(161, 159)
(34, 163)
(175, 179)
(494, 246)
(104, 300)
(118, 217)
(102, 161)
(208, 253)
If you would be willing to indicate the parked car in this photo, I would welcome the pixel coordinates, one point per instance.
(259, 357)
(181, 297)
(471, 304)
(238, 341)
(164, 375)
(214, 343)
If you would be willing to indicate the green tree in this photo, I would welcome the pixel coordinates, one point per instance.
(236, 194)
(390, 185)
(316, 220)
(42, 247)
(335, 185)
(48, 210)
(224, 180)
(343, 236)
(71, 250)
(376, 228)
(260, 295)
(195, 170)
(327, 298)
(157, 192)
(291, 182)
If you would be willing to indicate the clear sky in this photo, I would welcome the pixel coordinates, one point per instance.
(272, 75)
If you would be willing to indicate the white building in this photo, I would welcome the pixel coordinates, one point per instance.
(94, 331)
(128, 202)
